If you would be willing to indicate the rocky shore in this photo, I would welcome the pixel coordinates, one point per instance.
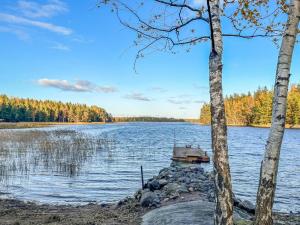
(173, 186)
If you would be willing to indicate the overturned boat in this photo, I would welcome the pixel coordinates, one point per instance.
(189, 154)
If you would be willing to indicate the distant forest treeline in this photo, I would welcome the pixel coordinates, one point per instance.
(256, 108)
(147, 119)
(29, 110)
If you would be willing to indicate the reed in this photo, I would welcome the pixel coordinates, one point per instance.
(62, 151)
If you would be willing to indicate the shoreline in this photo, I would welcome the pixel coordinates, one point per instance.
(173, 185)
(287, 126)
(23, 125)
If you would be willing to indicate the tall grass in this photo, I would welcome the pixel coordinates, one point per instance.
(55, 151)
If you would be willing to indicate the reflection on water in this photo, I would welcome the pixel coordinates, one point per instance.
(80, 164)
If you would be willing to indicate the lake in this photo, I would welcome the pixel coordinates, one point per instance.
(79, 164)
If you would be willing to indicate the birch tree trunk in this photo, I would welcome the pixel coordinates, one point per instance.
(223, 189)
(269, 167)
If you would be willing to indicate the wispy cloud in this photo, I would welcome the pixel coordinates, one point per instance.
(83, 40)
(158, 89)
(137, 96)
(61, 47)
(199, 102)
(78, 86)
(36, 10)
(178, 101)
(12, 19)
(22, 35)
(106, 89)
(184, 99)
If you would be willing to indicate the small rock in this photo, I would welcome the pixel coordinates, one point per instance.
(182, 189)
(120, 203)
(201, 177)
(166, 199)
(190, 189)
(103, 205)
(171, 188)
(149, 199)
(138, 195)
(162, 182)
(53, 218)
(185, 180)
(154, 185)
(174, 195)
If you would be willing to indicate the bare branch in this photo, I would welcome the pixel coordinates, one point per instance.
(170, 3)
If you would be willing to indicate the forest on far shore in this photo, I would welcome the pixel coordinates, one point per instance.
(256, 108)
(147, 119)
(14, 109)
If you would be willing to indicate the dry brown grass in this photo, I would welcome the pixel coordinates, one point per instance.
(20, 125)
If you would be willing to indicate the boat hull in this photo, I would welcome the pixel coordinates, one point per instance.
(204, 159)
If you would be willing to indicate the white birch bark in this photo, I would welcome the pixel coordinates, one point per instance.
(223, 188)
(269, 167)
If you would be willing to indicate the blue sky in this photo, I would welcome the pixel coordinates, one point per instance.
(71, 51)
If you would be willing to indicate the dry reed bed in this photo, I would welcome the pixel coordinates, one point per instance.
(58, 151)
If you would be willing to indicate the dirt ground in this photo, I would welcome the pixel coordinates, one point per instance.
(125, 212)
(14, 212)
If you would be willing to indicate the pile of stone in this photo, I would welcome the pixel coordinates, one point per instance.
(173, 182)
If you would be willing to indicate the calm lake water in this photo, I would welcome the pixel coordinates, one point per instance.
(111, 171)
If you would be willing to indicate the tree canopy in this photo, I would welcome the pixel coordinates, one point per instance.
(256, 108)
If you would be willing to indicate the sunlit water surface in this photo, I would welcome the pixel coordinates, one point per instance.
(112, 171)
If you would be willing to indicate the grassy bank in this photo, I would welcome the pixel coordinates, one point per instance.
(21, 125)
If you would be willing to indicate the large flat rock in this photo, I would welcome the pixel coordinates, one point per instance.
(186, 213)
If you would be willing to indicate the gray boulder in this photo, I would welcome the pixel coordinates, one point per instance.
(162, 182)
(247, 205)
(172, 188)
(154, 185)
(149, 199)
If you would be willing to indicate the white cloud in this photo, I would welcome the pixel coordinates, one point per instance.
(78, 86)
(9, 18)
(137, 96)
(36, 10)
